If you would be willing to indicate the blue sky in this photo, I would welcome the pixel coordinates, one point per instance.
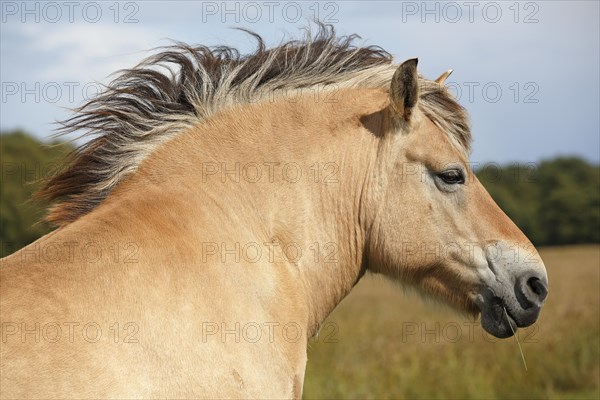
(528, 72)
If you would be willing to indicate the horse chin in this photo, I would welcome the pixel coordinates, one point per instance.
(496, 320)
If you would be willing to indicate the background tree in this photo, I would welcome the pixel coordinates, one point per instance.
(24, 162)
(554, 202)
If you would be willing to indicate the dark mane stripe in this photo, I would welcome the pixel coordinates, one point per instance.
(182, 85)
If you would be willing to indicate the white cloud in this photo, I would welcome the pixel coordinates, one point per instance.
(559, 53)
(86, 52)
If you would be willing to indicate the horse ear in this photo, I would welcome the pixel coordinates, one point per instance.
(442, 78)
(404, 91)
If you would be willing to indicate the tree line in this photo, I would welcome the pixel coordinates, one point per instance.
(554, 202)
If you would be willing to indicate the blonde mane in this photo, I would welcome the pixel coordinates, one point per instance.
(181, 86)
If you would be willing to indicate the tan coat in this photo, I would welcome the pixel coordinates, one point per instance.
(204, 272)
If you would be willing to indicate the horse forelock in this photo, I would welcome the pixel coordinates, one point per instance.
(181, 86)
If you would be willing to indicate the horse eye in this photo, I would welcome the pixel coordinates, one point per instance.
(452, 177)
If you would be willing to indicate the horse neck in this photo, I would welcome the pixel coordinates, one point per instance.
(214, 168)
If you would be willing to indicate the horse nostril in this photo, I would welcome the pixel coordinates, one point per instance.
(538, 287)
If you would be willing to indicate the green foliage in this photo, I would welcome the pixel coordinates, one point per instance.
(24, 162)
(555, 202)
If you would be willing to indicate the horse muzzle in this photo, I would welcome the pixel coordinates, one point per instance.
(513, 295)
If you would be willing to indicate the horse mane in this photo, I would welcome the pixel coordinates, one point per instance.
(181, 86)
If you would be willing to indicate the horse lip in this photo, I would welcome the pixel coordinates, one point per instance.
(496, 318)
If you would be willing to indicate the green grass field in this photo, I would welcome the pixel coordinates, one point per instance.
(384, 343)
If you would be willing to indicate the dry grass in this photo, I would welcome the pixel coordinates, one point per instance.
(382, 343)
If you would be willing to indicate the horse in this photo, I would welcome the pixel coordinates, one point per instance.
(224, 204)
